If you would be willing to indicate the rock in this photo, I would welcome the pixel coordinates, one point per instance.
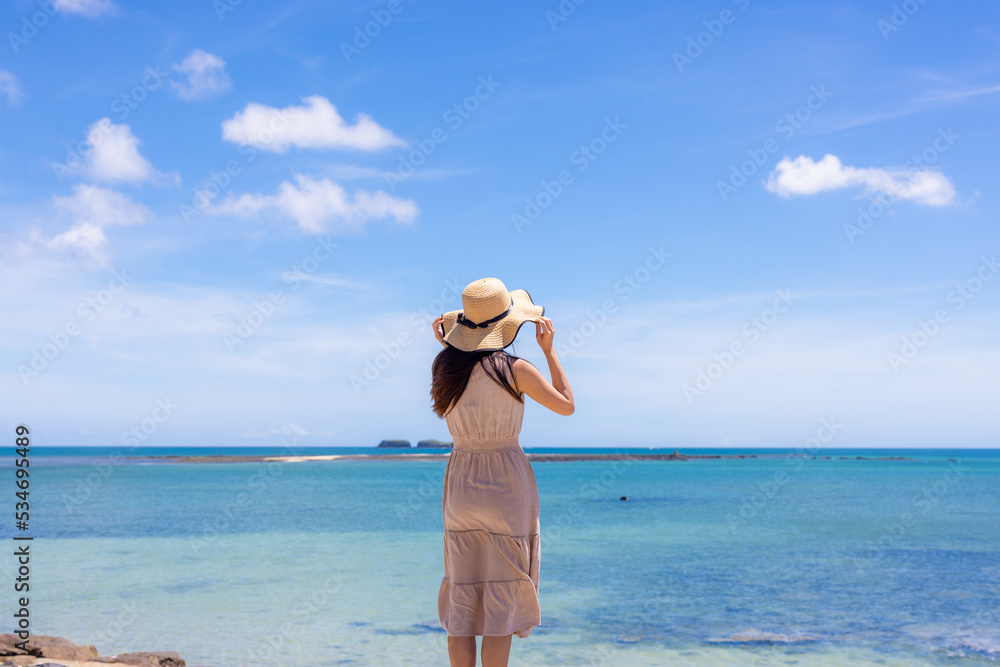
(147, 659)
(440, 444)
(7, 645)
(394, 443)
(753, 636)
(46, 646)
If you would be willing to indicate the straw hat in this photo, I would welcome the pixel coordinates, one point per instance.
(490, 317)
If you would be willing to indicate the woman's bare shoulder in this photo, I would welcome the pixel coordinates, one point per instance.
(522, 367)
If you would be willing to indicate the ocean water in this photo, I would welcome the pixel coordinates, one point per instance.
(754, 561)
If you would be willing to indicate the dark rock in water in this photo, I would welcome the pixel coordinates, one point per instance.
(394, 443)
(430, 626)
(439, 444)
(758, 637)
(145, 659)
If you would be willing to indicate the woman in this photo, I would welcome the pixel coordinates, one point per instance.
(490, 499)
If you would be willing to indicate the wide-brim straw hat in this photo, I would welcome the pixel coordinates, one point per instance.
(490, 317)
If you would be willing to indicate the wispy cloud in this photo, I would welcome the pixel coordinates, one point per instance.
(205, 76)
(959, 94)
(102, 207)
(315, 125)
(287, 429)
(88, 8)
(907, 107)
(335, 281)
(10, 87)
(92, 209)
(803, 176)
(350, 172)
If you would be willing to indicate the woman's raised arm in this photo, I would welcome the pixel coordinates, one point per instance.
(557, 395)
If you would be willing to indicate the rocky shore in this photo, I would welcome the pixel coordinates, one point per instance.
(46, 650)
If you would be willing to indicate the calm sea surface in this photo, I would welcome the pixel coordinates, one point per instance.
(754, 561)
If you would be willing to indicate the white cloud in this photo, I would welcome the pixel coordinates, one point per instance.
(93, 208)
(88, 8)
(322, 206)
(315, 125)
(10, 87)
(114, 156)
(102, 207)
(206, 76)
(803, 176)
(84, 239)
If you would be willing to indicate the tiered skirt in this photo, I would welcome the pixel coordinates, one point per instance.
(492, 545)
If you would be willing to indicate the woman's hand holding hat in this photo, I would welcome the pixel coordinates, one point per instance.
(439, 330)
(544, 333)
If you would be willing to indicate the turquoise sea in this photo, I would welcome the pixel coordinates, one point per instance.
(799, 560)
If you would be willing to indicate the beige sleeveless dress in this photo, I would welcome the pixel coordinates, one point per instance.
(491, 521)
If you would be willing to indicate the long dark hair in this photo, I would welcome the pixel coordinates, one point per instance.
(452, 368)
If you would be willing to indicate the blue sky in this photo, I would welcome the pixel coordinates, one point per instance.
(230, 223)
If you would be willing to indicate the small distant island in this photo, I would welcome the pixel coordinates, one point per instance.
(405, 444)
(395, 443)
(437, 444)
